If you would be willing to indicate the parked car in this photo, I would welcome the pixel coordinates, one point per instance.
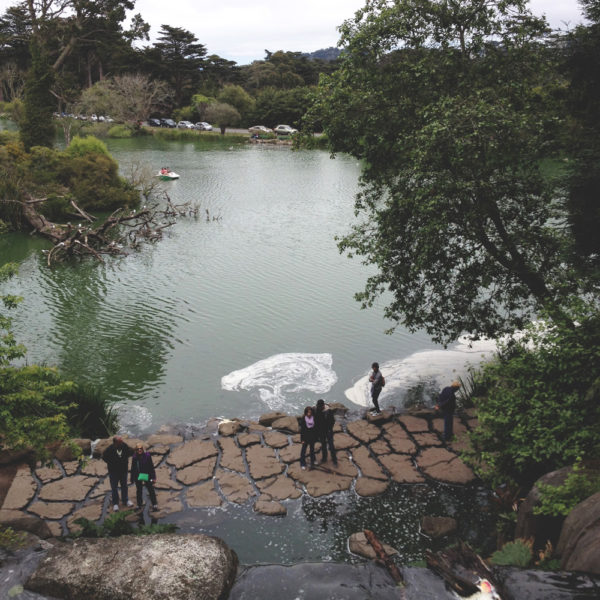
(154, 122)
(168, 123)
(185, 125)
(284, 130)
(259, 129)
(203, 126)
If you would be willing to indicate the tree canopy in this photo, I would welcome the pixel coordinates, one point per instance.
(450, 106)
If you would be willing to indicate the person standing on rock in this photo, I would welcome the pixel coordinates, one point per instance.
(324, 422)
(116, 457)
(447, 404)
(308, 437)
(377, 382)
(143, 474)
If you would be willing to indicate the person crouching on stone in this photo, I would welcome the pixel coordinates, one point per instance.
(308, 436)
(324, 422)
(143, 474)
(116, 457)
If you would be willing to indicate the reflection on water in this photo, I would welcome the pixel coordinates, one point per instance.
(162, 329)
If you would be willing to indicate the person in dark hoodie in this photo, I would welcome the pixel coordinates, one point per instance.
(143, 474)
(308, 436)
(447, 405)
(116, 457)
(324, 422)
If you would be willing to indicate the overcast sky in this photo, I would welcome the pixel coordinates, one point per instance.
(241, 30)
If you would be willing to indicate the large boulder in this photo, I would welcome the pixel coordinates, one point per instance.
(540, 527)
(579, 542)
(156, 567)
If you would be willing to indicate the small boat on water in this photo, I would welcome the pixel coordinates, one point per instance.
(167, 174)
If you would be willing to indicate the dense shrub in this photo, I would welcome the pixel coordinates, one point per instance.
(83, 146)
(541, 410)
(120, 131)
(516, 554)
(560, 500)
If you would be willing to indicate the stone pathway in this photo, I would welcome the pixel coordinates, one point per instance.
(246, 462)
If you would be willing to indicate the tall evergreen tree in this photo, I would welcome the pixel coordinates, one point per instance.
(37, 128)
(181, 61)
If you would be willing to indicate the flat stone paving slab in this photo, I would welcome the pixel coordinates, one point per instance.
(364, 431)
(21, 491)
(443, 465)
(191, 452)
(51, 510)
(231, 455)
(262, 462)
(276, 439)
(198, 471)
(414, 424)
(367, 464)
(203, 494)
(343, 441)
(401, 468)
(279, 488)
(235, 487)
(47, 474)
(247, 439)
(319, 482)
(367, 487)
(74, 488)
(270, 508)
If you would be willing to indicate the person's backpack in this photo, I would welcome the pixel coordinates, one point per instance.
(382, 381)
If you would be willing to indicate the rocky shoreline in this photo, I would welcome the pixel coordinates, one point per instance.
(245, 461)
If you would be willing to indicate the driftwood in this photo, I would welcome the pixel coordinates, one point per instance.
(382, 557)
(462, 569)
(122, 230)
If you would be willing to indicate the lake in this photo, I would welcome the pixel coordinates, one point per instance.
(249, 311)
(238, 316)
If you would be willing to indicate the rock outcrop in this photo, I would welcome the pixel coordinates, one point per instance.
(157, 567)
(579, 542)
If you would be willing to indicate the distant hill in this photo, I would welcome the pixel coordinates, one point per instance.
(327, 54)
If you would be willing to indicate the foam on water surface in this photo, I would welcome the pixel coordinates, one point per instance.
(437, 367)
(279, 379)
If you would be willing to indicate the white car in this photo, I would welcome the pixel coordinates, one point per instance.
(185, 125)
(203, 126)
(259, 129)
(284, 130)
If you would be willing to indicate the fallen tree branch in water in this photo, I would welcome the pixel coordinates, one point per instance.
(120, 231)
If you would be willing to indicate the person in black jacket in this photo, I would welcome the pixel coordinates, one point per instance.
(116, 457)
(143, 474)
(324, 422)
(308, 436)
(447, 404)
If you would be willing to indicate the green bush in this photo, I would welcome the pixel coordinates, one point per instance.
(542, 406)
(10, 539)
(83, 146)
(516, 554)
(91, 415)
(94, 180)
(120, 131)
(559, 500)
(117, 524)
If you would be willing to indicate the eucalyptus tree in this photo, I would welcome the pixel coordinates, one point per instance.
(446, 103)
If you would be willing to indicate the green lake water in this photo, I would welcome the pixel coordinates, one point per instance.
(239, 316)
(232, 317)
